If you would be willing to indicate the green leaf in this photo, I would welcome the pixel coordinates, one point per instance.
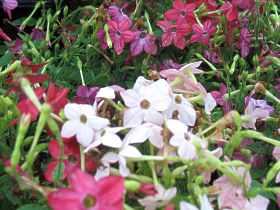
(33, 207)
(6, 58)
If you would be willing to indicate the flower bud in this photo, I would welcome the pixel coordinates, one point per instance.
(147, 189)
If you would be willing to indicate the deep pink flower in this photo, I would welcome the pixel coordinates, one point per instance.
(117, 14)
(181, 12)
(143, 42)
(25, 106)
(219, 97)
(85, 193)
(203, 33)
(101, 38)
(120, 34)
(4, 36)
(56, 97)
(210, 4)
(174, 33)
(245, 42)
(71, 153)
(230, 11)
(9, 5)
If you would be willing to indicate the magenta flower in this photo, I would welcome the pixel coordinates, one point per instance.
(117, 14)
(143, 42)
(9, 5)
(85, 193)
(203, 33)
(277, 86)
(86, 95)
(120, 34)
(219, 97)
(101, 38)
(244, 4)
(230, 11)
(173, 33)
(212, 56)
(244, 42)
(181, 12)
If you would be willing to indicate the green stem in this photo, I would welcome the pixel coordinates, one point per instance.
(23, 128)
(25, 22)
(147, 17)
(83, 158)
(272, 97)
(27, 89)
(12, 67)
(116, 106)
(233, 93)
(127, 207)
(45, 112)
(140, 178)
(212, 67)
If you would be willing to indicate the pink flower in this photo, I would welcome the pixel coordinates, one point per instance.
(9, 5)
(117, 14)
(173, 33)
(231, 196)
(230, 11)
(143, 42)
(85, 193)
(181, 12)
(203, 33)
(120, 34)
(71, 151)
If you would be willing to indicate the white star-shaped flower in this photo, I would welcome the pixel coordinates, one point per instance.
(146, 131)
(182, 110)
(183, 140)
(82, 123)
(145, 103)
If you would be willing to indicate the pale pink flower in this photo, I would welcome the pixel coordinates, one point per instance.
(257, 203)
(231, 195)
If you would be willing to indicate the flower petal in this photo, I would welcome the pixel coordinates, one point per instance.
(85, 135)
(70, 128)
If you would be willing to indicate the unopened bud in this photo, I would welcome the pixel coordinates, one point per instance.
(259, 88)
(148, 189)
